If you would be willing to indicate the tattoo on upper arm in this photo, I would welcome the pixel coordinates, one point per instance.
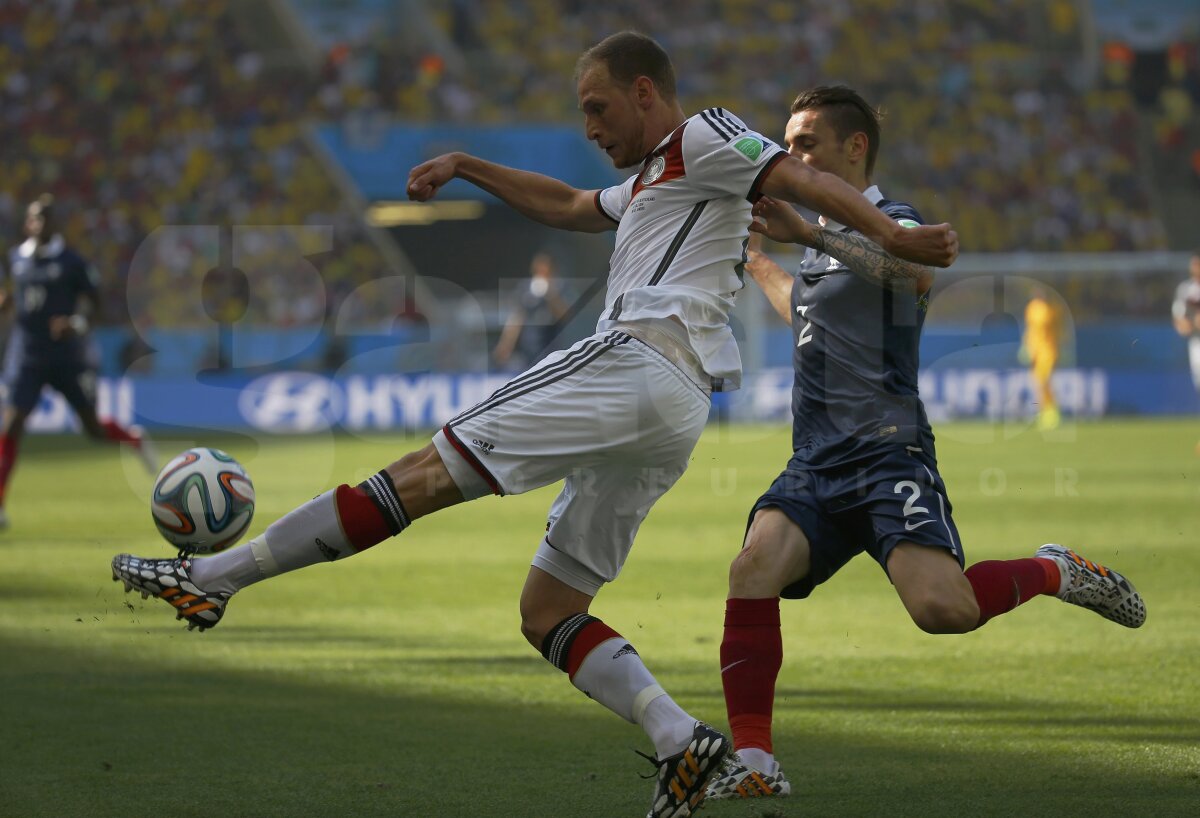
(865, 258)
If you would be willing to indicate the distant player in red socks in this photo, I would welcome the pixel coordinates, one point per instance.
(53, 291)
(863, 474)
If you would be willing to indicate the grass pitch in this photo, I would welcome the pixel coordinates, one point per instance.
(397, 683)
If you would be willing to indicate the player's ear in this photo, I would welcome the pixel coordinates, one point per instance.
(856, 146)
(644, 91)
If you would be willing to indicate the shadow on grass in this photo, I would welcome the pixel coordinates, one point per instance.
(91, 732)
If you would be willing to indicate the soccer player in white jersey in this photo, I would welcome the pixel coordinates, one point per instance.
(1185, 312)
(616, 416)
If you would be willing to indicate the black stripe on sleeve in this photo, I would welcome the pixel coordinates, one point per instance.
(721, 130)
(604, 212)
(755, 194)
(729, 122)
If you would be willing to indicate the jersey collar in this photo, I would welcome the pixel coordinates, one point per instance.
(51, 248)
(873, 196)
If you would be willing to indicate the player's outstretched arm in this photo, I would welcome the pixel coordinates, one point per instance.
(539, 197)
(793, 181)
(773, 280)
(861, 256)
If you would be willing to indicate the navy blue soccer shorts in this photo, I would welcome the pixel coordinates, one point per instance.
(871, 505)
(25, 381)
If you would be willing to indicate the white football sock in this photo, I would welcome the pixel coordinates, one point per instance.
(614, 675)
(757, 759)
(228, 572)
(305, 536)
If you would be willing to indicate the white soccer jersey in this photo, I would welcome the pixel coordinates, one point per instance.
(681, 235)
(1187, 301)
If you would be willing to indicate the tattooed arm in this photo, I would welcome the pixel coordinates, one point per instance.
(861, 256)
(865, 258)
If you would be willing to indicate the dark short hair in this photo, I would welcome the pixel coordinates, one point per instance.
(629, 55)
(44, 203)
(847, 112)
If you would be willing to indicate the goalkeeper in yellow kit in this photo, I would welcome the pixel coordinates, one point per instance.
(1039, 349)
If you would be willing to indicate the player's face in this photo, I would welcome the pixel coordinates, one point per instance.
(1194, 267)
(611, 117)
(813, 141)
(37, 223)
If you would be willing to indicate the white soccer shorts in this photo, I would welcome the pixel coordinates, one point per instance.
(1194, 359)
(611, 416)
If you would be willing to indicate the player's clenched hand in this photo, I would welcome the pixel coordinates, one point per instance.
(427, 178)
(778, 221)
(935, 245)
(60, 327)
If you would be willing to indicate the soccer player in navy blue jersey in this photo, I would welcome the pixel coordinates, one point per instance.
(863, 474)
(53, 291)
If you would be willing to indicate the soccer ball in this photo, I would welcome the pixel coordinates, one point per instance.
(203, 501)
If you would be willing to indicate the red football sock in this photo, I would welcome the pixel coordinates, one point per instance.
(1002, 585)
(370, 512)
(751, 655)
(8, 459)
(118, 433)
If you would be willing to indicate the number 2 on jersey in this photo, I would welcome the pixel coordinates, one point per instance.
(806, 330)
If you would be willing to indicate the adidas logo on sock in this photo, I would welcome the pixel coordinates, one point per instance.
(627, 649)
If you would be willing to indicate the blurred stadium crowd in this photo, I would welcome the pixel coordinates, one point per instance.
(992, 117)
(998, 117)
(138, 116)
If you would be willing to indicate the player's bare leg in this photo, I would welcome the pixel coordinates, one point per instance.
(942, 599)
(337, 524)
(606, 667)
(931, 584)
(113, 432)
(775, 554)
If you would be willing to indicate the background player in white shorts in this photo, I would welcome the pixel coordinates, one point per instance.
(616, 415)
(1185, 313)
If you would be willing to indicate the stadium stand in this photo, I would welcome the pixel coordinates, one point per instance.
(138, 117)
(1002, 117)
(994, 117)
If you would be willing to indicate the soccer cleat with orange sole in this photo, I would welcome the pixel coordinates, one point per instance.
(1090, 585)
(169, 581)
(736, 780)
(683, 778)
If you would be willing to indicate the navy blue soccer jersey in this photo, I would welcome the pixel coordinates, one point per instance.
(856, 358)
(46, 282)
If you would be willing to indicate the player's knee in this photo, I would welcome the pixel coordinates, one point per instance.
(756, 571)
(535, 624)
(940, 614)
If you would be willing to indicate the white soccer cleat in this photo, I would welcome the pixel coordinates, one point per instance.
(683, 778)
(170, 581)
(1092, 586)
(736, 780)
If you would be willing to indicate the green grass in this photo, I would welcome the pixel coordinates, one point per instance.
(397, 683)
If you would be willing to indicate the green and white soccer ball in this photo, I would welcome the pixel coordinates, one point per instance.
(203, 501)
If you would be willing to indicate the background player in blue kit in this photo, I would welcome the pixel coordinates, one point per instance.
(863, 474)
(53, 291)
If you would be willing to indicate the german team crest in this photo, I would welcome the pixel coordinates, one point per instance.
(652, 173)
